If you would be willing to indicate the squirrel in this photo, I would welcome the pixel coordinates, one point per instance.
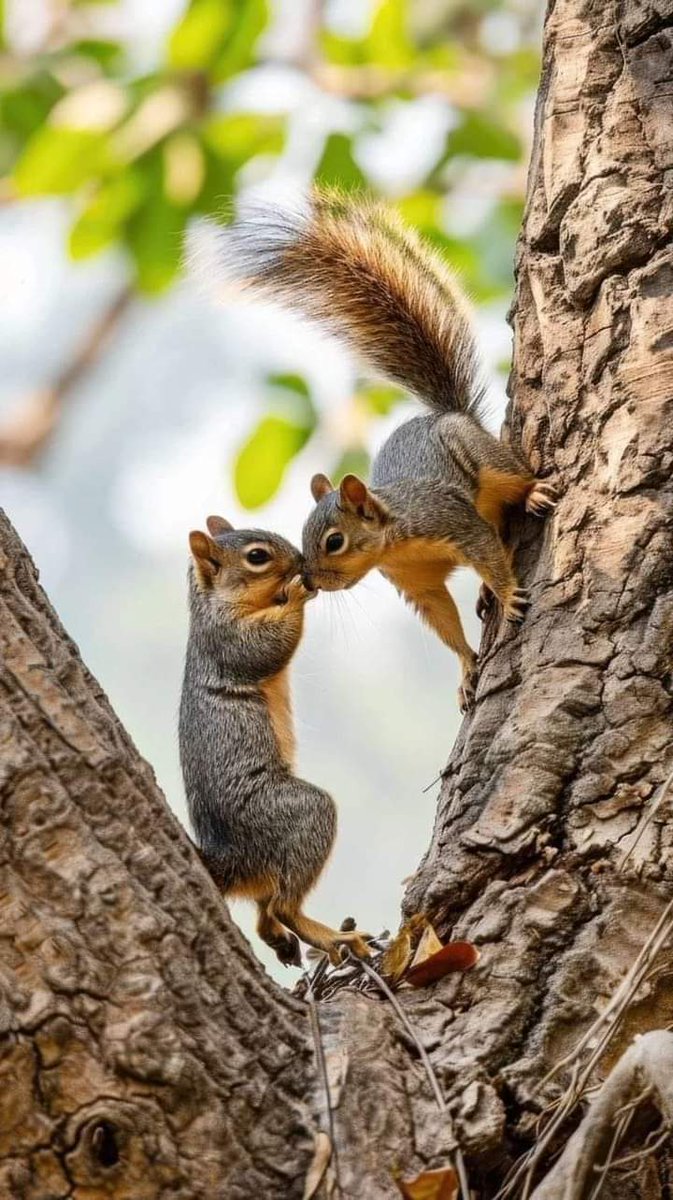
(262, 833)
(441, 485)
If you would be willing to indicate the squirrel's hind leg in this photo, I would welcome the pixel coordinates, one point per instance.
(280, 939)
(495, 568)
(436, 606)
(314, 933)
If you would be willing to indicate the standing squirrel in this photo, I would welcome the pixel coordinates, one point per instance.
(263, 833)
(441, 484)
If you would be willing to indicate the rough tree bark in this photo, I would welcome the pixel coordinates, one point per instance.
(144, 1052)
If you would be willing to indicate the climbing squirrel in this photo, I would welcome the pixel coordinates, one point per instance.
(441, 484)
(263, 833)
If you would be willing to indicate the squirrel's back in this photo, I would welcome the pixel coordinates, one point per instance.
(351, 264)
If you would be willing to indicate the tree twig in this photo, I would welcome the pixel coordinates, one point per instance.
(25, 435)
(322, 1059)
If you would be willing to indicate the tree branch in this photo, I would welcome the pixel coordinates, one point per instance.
(26, 435)
(645, 1068)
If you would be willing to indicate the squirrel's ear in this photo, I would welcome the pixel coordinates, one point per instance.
(357, 498)
(320, 486)
(206, 555)
(217, 525)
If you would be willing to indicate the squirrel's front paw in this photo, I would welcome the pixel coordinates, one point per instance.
(542, 499)
(517, 606)
(297, 592)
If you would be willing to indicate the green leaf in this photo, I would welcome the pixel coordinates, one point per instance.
(24, 108)
(101, 221)
(337, 165)
(108, 54)
(379, 399)
(297, 404)
(423, 209)
(388, 42)
(238, 137)
(57, 161)
(217, 188)
(229, 141)
(343, 52)
(250, 20)
(198, 38)
(264, 458)
(154, 233)
(480, 136)
(291, 383)
(354, 461)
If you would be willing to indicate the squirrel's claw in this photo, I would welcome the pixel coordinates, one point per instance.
(517, 605)
(542, 499)
(485, 601)
(468, 684)
(467, 692)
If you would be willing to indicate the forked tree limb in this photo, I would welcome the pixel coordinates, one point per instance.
(645, 1069)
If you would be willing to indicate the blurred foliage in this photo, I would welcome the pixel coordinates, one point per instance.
(137, 153)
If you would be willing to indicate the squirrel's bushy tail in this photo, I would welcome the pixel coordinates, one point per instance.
(352, 265)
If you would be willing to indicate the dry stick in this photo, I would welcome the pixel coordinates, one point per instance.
(645, 820)
(649, 1059)
(648, 1149)
(322, 1060)
(429, 1070)
(25, 435)
(617, 1005)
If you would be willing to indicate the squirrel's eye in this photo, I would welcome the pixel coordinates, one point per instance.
(257, 557)
(334, 542)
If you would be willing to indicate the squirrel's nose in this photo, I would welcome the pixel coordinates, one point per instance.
(307, 581)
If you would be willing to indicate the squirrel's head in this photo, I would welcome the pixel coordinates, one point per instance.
(245, 570)
(345, 534)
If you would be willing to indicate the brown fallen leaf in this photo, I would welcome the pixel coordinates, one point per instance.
(431, 1185)
(454, 956)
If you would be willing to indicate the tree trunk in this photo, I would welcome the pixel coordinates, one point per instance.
(145, 1053)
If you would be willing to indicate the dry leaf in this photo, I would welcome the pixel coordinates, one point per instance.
(428, 945)
(431, 1185)
(397, 957)
(454, 956)
(322, 1153)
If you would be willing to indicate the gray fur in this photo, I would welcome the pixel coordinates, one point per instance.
(250, 814)
(426, 478)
